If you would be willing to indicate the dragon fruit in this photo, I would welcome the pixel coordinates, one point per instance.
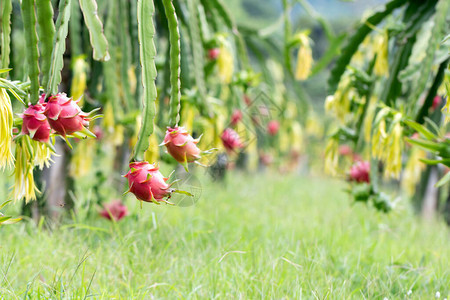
(65, 116)
(213, 53)
(35, 123)
(181, 145)
(236, 117)
(147, 183)
(360, 171)
(231, 139)
(273, 127)
(114, 211)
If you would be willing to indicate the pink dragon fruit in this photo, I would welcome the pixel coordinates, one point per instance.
(273, 127)
(181, 145)
(213, 53)
(65, 116)
(35, 124)
(437, 100)
(360, 171)
(236, 117)
(147, 183)
(114, 210)
(231, 139)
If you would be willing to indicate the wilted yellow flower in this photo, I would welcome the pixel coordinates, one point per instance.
(24, 186)
(304, 58)
(6, 114)
(108, 117)
(394, 143)
(368, 120)
(313, 126)
(297, 137)
(225, 64)
(329, 103)
(364, 50)
(42, 154)
(79, 79)
(381, 45)
(413, 170)
(82, 158)
(379, 137)
(152, 153)
(188, 117)
(339, 103)
(331, 157)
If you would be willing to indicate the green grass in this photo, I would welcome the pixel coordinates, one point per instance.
(257, 237)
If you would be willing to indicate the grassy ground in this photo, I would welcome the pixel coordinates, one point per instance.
(253, 238)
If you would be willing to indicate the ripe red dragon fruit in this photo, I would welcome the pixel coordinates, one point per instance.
(147, 183)
(236, 117)
(181, 145)
(273, 127)
(114, 210)
(65, 116)
(360, 171)
(231, 139)
(437, 100)
(247, 100)
(35, 123)
(213, 53)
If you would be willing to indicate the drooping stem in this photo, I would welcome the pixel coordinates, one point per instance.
(5, 8)
(31, 42)
(174, 33)
(46, 34)
(95, 27)
(57, 63)
(146, 33)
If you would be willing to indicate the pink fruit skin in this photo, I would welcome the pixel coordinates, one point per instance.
(273, 127)
(146, 182)
(437, 100)
(360, 171)
(64, 115)
(114, 210)
(247, 100)
(213, 53)
(231, 139)
(236, 117)
(181, 145)
(35, 124)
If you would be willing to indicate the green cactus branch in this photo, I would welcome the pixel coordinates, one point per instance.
(146, 33)
(57, 63)
(46, 30)
(31, 42)
(5, 8)
(197, 52)
(175, 70)
(95, 27)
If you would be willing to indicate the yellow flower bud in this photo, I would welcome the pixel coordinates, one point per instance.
(79, 79)
(304, 58)
(381, 45)
(225, 64)
(331, 157)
